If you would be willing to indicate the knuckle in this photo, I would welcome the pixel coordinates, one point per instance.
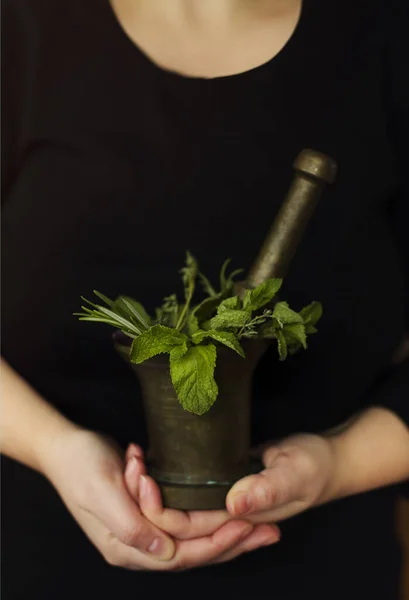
(131, 535)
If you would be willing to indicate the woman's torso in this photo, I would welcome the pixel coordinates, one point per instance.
(121, 166)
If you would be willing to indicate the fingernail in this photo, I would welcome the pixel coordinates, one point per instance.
(143, 487)
(269, 541)
(157, 548)
(242, 504)
(131, 466)
(137, 451)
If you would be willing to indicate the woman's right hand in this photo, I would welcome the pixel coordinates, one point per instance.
(88, 471)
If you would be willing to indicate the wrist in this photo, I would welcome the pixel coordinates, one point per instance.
(337, 485)
(47, 442)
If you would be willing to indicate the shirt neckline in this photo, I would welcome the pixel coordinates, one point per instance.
(258, 72)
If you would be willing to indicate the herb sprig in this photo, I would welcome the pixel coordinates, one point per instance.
(191, 335)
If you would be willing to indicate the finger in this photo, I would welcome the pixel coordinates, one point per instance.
(269, 489)
(260, 450)
(120, 514)
(262, 535)
(134, 450)
(270, 453)
(201, 551)
(135, 467)
(179, 524)
(189, 554)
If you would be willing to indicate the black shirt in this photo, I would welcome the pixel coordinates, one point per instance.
(114, 166)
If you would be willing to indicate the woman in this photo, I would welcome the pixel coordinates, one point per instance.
(137, 129)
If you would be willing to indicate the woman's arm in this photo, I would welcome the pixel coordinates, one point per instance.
(372, 452)
(307, 470)
(28, 423)
(100, 487)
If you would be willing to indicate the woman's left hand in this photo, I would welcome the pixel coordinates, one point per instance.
(299, 473)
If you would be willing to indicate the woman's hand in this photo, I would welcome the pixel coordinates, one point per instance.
(88, 472)
(298, 474)
(369, 451)
(190, 528)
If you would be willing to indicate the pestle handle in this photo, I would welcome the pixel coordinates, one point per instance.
(313, 171)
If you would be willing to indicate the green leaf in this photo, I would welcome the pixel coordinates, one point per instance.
(223, 279)
(193, 378)
(269, 329)
(105, 299)
(247, 300)
(192, 323)
(120, 322)
(282, 344)
(311, 314)
(207, 307)
(232, 303)
(133, 309)
(224, 337)
(179, 351)
(168, 313)
(189, 273)
(262, 295)
(295, 335)
(229, 318)
(226, 283)
(283, 313)
(207, 286)
(157, 340)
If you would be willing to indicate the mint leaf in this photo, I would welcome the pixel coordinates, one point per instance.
(168, 313)
(232, 303)
(262, 295)
(311, 314)
(207, 307)
(282, 344)
(295, 335)
(157, 340)
(192, 323)
(179, 351)
(227, 318)
(224, 337)
(193, 378)
(268, 330)
(283, 313)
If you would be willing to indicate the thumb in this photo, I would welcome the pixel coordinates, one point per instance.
(269, 489)
(121, 515)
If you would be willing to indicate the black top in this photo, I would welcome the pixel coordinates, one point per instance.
(113, 167)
